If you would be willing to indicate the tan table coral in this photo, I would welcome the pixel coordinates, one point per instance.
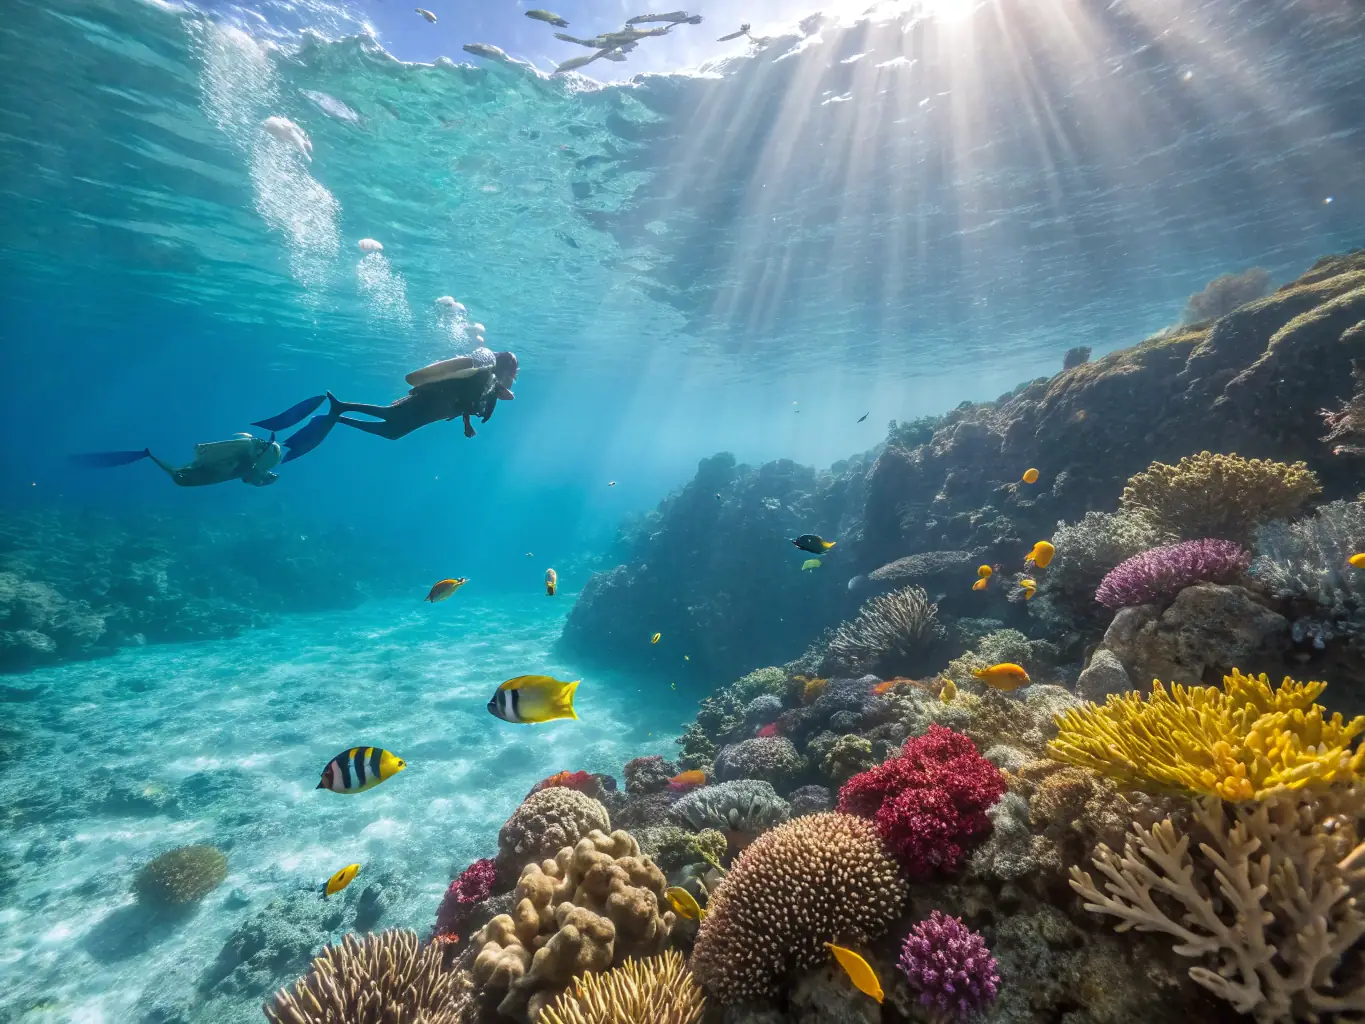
(590, 908)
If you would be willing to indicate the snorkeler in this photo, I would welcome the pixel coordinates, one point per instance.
(465, 386)
(241, 457)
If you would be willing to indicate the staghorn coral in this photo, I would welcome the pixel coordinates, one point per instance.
(887, 630)
(820, 878)
(847, 757)
(1223, 496)
(949, 965)
(1225, 293)
(1242, 742)
(589, 908)
(473, 885)
(1308, 559)
(743, 805)
(180, 877)
(379, 979)
(1269, 893)
(770, 758)
(545, 823)
(1156, 576)
(929, 803)
(657, 990)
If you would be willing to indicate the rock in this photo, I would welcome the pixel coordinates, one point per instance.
(1104, 675)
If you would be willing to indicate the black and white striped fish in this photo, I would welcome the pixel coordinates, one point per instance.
(359, 769)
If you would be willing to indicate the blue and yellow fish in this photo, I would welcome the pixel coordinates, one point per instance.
(531, 699)
(359, 769)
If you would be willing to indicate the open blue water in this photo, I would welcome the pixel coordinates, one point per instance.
(882, 215)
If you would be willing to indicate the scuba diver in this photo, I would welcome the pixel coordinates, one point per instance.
(465, 386)
(241, 457)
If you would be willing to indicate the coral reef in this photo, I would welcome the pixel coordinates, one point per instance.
(473, 885)
(886, 635)
(589, 908)
(949, 965)
(1074, 357)
(1226, 293)
(181, 876)
(929, 804)
(847, 757)
(820, 878)
(770, 758)
(1243, 741)
(645, 775)
(545, 823)
(744, 805)
(673, 848)
(660, 990)
(1156, 576)
(810, 800)
(1223, 496)
(374, 980)
(1308, 560)
(1267, 892)
(1086, 552)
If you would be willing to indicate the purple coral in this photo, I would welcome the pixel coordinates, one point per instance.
(1161, 573)
(950, 966)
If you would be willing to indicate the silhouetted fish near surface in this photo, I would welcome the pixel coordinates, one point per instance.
(864, 416)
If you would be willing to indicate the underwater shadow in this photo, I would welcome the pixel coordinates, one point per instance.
(131, 931)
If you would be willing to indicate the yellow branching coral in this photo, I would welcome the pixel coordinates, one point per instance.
(656, 990)
(1242, 742)
(1223, 496)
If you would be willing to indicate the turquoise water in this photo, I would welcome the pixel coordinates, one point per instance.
(223, 742)
(772, 253)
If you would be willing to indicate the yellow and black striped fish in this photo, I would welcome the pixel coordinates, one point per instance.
(359, 769)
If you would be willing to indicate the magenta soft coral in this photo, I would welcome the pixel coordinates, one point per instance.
(929, 803)
(473, 886)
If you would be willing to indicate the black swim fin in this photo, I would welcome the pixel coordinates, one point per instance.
(292, 415)
(106, 460)
(303, 441)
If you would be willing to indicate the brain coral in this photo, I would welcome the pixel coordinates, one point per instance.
(544, 824)
(588, 909)
(744, 805)
(821, 878)
(770, 758)
(181, 876)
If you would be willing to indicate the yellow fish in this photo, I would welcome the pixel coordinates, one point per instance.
(1030, 476)
(551, 582)
(985, 572)
(1006, 676)
(810, 563)
(1029, 587)
(359, 769)
(340, 880)
(444, 588)
(685, 904)
(981, 583)
(531, 699)
(1358, 561)
(949, 692)
(859, 971)
(655, 638)
(1041, 554)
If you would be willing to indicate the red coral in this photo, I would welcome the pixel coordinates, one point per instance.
(473, 886)
(929, 803)
(584, 782)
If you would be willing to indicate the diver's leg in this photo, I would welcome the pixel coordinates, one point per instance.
(468, 427)
(380, 412)
(170, 470)
(391, 429)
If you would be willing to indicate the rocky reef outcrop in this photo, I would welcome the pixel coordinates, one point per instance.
(80, 584)
(711, 567)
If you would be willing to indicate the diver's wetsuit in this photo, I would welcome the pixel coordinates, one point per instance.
(443, 400)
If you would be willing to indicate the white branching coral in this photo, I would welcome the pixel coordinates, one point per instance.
(1268, 892)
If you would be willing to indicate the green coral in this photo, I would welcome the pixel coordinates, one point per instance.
(180, 877)
(673, 848)
(849, 756)
(760, 681)
(698, 751)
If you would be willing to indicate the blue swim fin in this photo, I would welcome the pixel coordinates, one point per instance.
(303, 441)
(106, 460)
(292, 415)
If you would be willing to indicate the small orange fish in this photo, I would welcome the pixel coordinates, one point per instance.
(1006, 676)
(1041, 554)
(768, 730)
(684, 781)
(985, 572)
(981, 583)
(1030, 476)
(444, 588)
(879, 689)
